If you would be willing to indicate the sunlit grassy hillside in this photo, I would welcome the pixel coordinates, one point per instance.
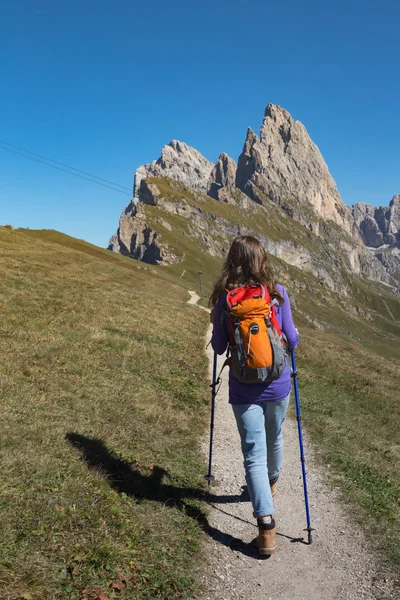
(103, 401)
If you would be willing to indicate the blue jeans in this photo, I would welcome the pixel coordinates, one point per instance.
(260, 429)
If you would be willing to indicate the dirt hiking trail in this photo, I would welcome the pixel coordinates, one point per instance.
(194, 298)
(338, 565)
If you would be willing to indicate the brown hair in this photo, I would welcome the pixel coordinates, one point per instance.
(246, 263)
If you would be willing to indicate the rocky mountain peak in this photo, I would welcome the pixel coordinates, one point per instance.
(223, 175)
(394, 204)
(247, 162)
(278, 115)
(285, 165)
(251, 139)
(178, 161)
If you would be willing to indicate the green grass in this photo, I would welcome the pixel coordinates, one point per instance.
(350, 406)
(104, 400)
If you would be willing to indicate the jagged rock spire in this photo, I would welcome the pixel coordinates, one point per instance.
(247, 161)
(286, 165)
(223, 175)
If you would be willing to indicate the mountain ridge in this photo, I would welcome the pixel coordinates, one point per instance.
(280, 170)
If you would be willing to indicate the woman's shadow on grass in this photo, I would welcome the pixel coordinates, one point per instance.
(124, 478)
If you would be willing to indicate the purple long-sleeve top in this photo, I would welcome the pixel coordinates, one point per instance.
(249, 393)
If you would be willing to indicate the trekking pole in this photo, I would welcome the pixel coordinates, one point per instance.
(209, 477)
(303, 463)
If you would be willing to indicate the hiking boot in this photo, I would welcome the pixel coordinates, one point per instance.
(266, 536)
(273, 485)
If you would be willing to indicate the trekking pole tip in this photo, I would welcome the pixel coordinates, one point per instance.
(209, 478)
(309, 530)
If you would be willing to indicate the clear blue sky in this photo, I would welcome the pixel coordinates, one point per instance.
(104, 85)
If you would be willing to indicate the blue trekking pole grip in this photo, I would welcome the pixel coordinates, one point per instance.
(302, 458)
(209, 477)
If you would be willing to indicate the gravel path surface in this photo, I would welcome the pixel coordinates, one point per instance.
(194, 298)
(338, 565)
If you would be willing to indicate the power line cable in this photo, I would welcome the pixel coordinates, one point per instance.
(69, 172)
(64, 165)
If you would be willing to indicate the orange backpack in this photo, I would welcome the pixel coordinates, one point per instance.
(257, 345)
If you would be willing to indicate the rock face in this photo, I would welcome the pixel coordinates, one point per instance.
(180, 162)
(134, 237)
(285, 165)
(378, 225)
(380, 231)
(390, 259)
(223, 175)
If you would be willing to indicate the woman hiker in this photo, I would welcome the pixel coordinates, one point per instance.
(259, 408)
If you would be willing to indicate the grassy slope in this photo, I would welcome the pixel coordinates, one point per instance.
(350, 405)
(95, 373)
